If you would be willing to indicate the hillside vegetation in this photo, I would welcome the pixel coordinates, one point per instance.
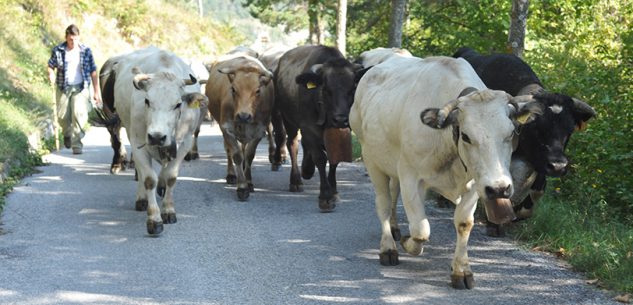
(31, 28)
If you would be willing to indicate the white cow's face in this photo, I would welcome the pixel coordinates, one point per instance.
(483, 126)
(485, 141)
(162, 95)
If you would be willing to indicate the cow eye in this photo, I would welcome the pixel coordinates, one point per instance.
(177, 106)
(465, 138)
(147, 102)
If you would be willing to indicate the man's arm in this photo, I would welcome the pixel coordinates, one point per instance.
(97, 89)
(51, 75)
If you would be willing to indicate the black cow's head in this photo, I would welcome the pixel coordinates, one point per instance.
(335, 81)
(543, 141)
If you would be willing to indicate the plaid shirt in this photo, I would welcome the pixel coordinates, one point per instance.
(85, 58)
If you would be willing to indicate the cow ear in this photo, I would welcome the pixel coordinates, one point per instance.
(525, 112)
(434, 118)
(582, 113)
(193, 100)
(190, 81)
(310, 80)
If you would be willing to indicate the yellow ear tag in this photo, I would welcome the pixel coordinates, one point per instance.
(194, 104)
(523, 118)
(311, 85)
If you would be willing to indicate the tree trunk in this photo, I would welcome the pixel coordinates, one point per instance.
(200, 9)
(316, 31)
(397, 20)
(518, 23)
(341, 25)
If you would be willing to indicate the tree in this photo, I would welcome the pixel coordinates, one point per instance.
(397, 20)
(341, 24)
(518, 23)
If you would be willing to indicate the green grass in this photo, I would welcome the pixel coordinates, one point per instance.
(586, 237)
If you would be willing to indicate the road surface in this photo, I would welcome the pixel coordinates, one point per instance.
(70, 235)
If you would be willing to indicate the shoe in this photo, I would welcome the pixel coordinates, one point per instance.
(77, 151)
(67, 142)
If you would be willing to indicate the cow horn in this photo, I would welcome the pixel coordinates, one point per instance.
(446, 111)
(192, 80)
(226, 70)
(140, 79)
(522, 99)
(583, 107)
(316, 68)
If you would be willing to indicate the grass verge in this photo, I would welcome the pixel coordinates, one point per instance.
(588, 237)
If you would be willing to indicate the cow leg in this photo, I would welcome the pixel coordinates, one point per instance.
(293, 149)
(146, 194)
(119, 158)
(249, 153)
(462, 275)
(327, 200)
(279, 132)
(331, 178)
(235, 166)
(413, 194)
(394, 191)
(169, 176)
(231, 178)
(388, 249)
(526, 208)
(193, 153)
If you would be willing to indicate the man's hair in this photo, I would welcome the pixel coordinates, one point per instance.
(72, 30)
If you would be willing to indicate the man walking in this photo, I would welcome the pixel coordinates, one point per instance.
(71, 69)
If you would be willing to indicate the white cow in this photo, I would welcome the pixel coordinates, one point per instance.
(378, 55)
(157, 99)
(415, 130)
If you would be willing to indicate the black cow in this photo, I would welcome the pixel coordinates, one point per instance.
(314, 90)
(541, 143)
(107, 78)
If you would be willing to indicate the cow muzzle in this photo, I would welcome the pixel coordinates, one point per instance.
(244, 118)
(156, 139)
(498, 192)
(340, 121)
(556, 168)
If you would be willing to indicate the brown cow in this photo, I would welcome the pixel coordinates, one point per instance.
(241, 97)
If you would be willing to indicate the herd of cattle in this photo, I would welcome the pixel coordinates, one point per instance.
(468, 127)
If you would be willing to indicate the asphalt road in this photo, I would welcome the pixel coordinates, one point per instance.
(70, 235)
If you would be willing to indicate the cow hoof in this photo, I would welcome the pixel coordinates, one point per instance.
(463, 281)
(141, 205)
(191, 156)
(389, 258)
(275, 167)
(168, 218)
(296, 188)
(413, 246)
(160, 190)
(495, 231)
(231, 179)
(395, 233)
(115, 169)
(251, 187)
(154, 227)
(242, 194)
(327, 205)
